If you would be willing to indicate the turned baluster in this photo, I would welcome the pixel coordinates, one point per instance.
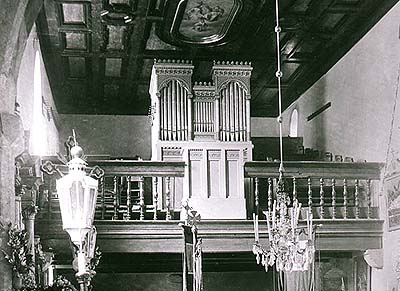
(155, 197)
(344, 198)
(321, 198)
(294, 189)
(141, 198)
(270, 195)
(128, 198)
(50, 197)
(368, 198)
(168, 198)
(103, 198)
(256, 198)
(115, 201)
(47, 193)
(356, 199)
(333, 199)
(309, 192)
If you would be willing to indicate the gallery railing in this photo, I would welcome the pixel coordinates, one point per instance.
(128, 189)
(148, 190)
(330, 190)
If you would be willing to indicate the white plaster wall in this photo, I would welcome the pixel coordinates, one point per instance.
(362, 88)
(25, 97)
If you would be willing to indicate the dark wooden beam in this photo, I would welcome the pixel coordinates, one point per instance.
(219, 236)
(314, 169)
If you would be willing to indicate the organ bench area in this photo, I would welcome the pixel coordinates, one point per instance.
(207, 126)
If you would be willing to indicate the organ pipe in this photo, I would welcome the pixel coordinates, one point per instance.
(178, 113)
(240, 113)
(233, 114)
(169, 112)
(173, 112)
(189, 118)
(248, 119)
(236, 95)
(173, 105)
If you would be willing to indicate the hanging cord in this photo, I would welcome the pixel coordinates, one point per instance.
(279, 75)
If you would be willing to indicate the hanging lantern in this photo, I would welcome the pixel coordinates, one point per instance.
(77, 193)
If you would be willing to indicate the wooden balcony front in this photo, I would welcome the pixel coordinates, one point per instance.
(342, 197)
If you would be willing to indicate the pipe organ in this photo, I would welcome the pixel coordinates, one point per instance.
(207, 125)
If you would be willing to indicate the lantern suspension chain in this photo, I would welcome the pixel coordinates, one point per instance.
(73, 134)
(279, 75)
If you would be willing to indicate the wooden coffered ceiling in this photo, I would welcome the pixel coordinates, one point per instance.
(99, 53)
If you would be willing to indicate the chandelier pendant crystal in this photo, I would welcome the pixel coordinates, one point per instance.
(291, 247)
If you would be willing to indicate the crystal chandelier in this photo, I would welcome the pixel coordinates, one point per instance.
(291, 247)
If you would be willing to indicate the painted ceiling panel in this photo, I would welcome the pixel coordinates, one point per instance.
(73, 13)
(75, 40)
(113, 67)
(77, 67)
(116, 39)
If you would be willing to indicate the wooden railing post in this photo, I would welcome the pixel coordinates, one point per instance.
(168, 198)
(155, 197)
(309, 193)
(128, 198)
(333, 199)
(345, 199)
(368, 194)
(294, 189)
(115, 201)
(256, 198)
(103, 198)
(270, 195)
(141, 198)
(321, 198)
(356, 199)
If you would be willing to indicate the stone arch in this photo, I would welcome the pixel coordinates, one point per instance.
(18, 18)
